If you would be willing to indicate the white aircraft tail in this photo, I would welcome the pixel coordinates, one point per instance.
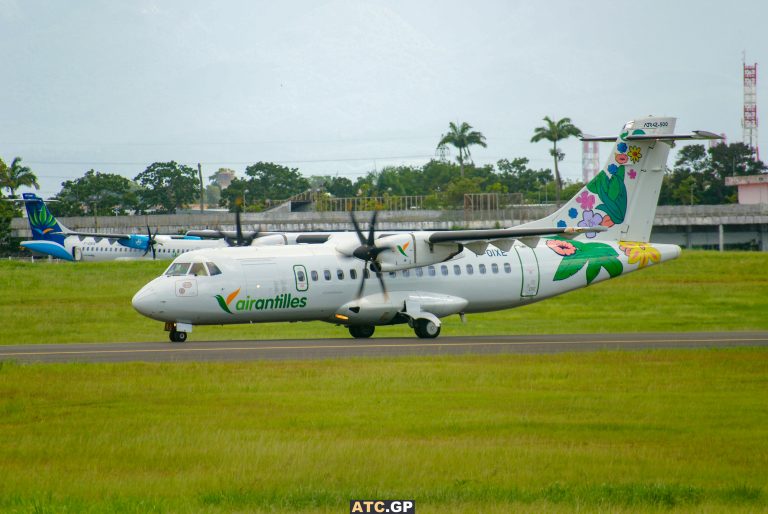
(623, 195)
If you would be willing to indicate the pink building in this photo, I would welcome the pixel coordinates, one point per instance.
(752, 188)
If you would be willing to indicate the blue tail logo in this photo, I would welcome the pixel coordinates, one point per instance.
(43, 223)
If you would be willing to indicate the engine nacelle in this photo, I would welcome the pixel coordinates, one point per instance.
(269, 240)
(412, 251)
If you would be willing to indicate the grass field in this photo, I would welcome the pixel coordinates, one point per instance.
(610, 432)
(63, 303)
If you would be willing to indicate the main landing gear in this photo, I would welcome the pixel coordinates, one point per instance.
(426, 329)
(361, 331)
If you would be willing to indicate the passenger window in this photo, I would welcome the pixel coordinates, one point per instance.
(340, 274)
(392, 274)
(198, 269)
(213, 269)
(431, 271)
(444, 269)
(495, 267)
(353, 274)
(470, 269)
(406, 273)
(419, 272)
(507, 268)
(456, 269)
(481, 267)
(300, 276)
(313, 274)
(327, 274)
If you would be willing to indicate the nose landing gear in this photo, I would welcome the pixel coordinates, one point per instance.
(177, 337)
(177, 332)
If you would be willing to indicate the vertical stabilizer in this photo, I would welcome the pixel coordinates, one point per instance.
(43, 224)
(624, 194)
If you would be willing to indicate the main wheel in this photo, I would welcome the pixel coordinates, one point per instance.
(361, 331)
(177, 337)
(426, 329)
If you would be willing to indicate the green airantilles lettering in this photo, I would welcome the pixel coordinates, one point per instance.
(281, 301)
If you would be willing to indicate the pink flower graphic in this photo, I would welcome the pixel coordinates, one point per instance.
(621, 158)
(563, 248)
(632, 173)
(586, 200)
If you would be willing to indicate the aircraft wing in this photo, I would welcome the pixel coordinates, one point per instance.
(461, 236)
(121, 237)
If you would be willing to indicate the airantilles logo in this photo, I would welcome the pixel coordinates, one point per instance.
(403, 248)
(281, 301)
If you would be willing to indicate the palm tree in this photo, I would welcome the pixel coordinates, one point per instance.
(462, 137)
(16, 176)
(556, 131)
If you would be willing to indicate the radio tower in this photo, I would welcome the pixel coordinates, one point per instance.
(590, 160)
(749, 123)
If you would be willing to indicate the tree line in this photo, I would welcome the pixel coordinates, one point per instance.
(698, 177)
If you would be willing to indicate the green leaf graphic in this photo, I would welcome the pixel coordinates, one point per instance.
(222, 303)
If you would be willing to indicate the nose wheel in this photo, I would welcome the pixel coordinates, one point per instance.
(177, 337)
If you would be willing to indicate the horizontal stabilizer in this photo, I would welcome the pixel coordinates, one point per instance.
(697, 134)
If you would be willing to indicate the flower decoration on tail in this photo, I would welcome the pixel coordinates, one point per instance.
(640, 253)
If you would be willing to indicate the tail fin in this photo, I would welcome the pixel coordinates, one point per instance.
(624, 194)
(43, 224)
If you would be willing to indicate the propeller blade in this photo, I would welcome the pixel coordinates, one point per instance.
(357, 228)
(362, 285)
(239, 228)
(373, 227)
(383, 286)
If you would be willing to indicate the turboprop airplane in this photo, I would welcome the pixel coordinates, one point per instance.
(601, 233)
(50, 237)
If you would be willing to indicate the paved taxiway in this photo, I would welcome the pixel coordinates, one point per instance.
(219, 351)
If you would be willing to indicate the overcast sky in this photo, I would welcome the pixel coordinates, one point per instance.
(344, 86)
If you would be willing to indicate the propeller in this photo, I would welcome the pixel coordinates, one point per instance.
(151, 242)
(367, 252)
(240, 239)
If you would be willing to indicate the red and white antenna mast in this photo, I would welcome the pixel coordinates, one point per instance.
(749, 122)
(590, 160)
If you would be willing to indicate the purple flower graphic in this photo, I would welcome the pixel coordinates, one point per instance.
(590, 219)
(586, 200)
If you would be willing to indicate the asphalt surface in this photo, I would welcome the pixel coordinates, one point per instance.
(298, 349)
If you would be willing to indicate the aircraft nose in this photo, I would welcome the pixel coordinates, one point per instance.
(145, 301)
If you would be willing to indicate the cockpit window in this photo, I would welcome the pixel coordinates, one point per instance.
(213, 269)
(177, 269)
(198, 269)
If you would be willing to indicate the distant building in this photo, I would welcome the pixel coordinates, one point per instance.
(223, 177)
(752, 188)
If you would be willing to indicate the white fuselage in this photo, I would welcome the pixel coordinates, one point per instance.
(316, 282)
(94, 249)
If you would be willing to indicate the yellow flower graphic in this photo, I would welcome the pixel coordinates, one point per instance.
(640, 253)
(634, 153)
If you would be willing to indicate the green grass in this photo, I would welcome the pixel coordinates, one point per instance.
(652, 431)
(701, 291)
